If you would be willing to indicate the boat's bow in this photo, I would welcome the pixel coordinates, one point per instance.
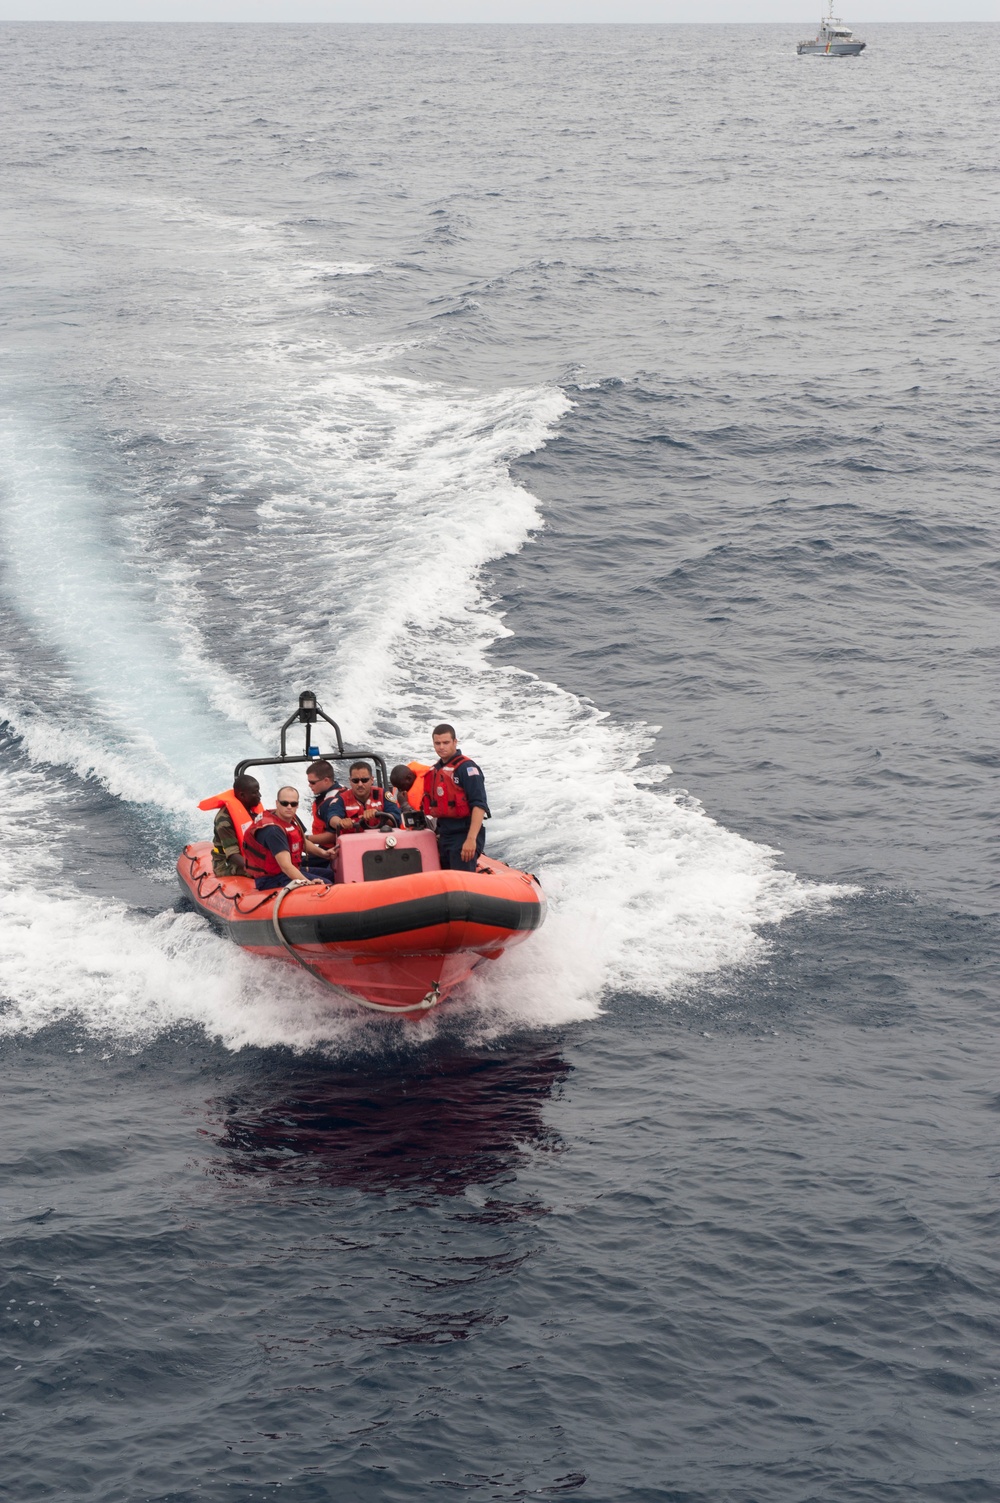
(398, 943)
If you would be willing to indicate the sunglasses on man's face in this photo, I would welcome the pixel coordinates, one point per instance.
(289, 803)
(361, 780)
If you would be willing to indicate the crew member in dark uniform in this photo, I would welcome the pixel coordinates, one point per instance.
(455, 794)
(322, 843)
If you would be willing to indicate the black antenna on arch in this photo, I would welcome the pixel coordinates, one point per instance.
(309, 714)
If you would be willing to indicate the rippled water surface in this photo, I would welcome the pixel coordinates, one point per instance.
(628, 396)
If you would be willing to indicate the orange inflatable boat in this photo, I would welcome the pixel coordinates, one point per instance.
(393, 929)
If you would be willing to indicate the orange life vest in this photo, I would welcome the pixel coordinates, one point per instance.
(443, 796)
(240, 815)
(369, 813)
(260, 861)
(416, 793)
(320, 827)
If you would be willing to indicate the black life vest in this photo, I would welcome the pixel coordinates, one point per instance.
(259, 860)
(444, 797)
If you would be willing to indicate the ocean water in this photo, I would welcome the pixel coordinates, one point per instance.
(627, 395)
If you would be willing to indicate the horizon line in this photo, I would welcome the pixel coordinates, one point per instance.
(856, 18)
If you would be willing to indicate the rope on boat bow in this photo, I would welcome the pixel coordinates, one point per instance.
(425, 1002)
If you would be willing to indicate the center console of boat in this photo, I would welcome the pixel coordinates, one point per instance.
(374, 855)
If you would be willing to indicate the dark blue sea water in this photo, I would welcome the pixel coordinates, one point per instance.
(629, 397)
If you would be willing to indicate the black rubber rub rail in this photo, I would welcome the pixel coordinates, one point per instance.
(393, 918)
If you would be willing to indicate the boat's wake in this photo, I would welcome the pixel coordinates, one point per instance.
(327, 528)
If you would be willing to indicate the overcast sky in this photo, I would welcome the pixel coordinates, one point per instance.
(797, 11)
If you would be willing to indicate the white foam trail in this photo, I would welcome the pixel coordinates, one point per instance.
(649, 894)
(379, 500)
(151, 736)
(126, 978)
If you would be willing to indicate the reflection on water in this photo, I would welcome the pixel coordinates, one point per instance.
(446, 1123)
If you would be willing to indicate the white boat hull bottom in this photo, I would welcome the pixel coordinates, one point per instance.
(832, 49)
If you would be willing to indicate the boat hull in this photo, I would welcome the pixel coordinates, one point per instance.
(831, 49)
(399, 945)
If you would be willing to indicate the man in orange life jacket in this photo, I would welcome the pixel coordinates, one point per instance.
(237, 812)
(272, 847)
(402, 779)
(455, 794)
(363, 806)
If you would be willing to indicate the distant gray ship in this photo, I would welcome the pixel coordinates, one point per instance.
(834, 39)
